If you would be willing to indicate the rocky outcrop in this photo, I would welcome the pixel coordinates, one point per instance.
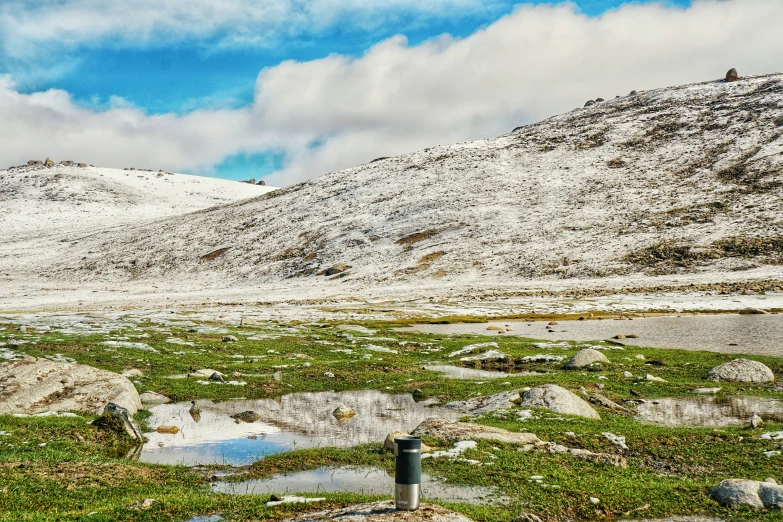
(584, 358)
(741, 370)
(450, 431)
(383, 511)
(557, 399)
(740, 492)
(37, 385)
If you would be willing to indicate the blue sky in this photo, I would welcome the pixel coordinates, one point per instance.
(158, 66)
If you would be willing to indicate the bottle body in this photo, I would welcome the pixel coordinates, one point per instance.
(407, 477)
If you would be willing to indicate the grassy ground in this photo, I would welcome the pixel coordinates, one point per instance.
(62, 468)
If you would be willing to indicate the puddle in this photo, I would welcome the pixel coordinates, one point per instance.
(458, 372)
(726, 333)
(709, 411)
(299, 420)
(362, 480)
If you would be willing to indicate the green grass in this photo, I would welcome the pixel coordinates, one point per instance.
(65, 469)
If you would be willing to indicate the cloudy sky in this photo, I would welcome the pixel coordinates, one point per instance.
(290, 89)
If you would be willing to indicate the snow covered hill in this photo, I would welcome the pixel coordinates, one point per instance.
(38, 201)
(683, 180)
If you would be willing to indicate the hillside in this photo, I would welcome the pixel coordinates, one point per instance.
(38, 201)
(683, 180)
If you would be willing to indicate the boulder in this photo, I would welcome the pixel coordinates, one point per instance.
(450, 431)
(732, 76)
(48, 162)
(741, 370)
(151, 397)
(557, 399)
(337, 269)
(588, 103)
(753, 493)
(262, 183)
(37, 385)
(584, 358)
(382, 511)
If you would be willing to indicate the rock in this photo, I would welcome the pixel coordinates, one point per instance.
(732, 76)
(246, 416)
(143, 504)
(206, 372)
(34, 162)
(627, 374)
(589, 103)
(557, 399)
(336, 269)
(619, 336)
(703, 391)
(756, 421)
(600, 400)
(39, 385)
(481, 405)
(584, 358)
(753, 311)
(741, 370)
(632, 93)
(173, 430)
(381, 511)
(48, 163)
(599, 100)
(388, 444)
(229, 339)
(343, 412)
(151, 397)
(123, 417)
(451, 431)
(740, 492)
(261, 182)
(495, 329)
(527, 517)
(552, 323)
(132, 373)
(419, 395)
(653, 378)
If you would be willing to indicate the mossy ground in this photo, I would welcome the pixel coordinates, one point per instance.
(62, 468)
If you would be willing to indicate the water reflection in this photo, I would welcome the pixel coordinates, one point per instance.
(709, 411)
(363, 480)
(299, 420)
(727, 333)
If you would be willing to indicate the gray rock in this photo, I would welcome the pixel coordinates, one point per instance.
(756, 421)
(150, 397)
(557, 399)
(584, 358)
(382, 511)
(741, 370)
(245, 416)
(337, 269)
(216, 377)
(343, 412)
(450, 431)
(229, 339)
(481, 405)
(752, 493)
(37, 385)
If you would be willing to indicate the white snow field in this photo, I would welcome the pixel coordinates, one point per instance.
(671, 186)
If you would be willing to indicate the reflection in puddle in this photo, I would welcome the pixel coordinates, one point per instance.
(363, 480)
(710, 411)
(727, 333)
(299, 420)
(458, 372)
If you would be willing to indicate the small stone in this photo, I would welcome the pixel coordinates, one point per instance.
(246, 416)
(594, 500)
(343, 412)
(150, 397)
(756, 421)
(553, 323)
(627, 374)
(337, 269)
(132, 373)
(653, 378)
(173, 430)
(329, 375)
(619, 336)
(732, 76)
(589, 103)
(229, 339)
(216, 377)
(495, 329)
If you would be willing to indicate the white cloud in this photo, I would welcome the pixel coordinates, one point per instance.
(534, 63)
(27, 25)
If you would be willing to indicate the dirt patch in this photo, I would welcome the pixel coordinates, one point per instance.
(213, 255)
(430, 258)
(416, 237)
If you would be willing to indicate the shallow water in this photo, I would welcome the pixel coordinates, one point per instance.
(299, 420)
(749, 334)
(709, 411)
(363, 480)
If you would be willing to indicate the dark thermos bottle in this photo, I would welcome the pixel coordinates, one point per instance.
(407, 476)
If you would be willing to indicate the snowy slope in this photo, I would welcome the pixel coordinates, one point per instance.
(682, 180)
(38, 201)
